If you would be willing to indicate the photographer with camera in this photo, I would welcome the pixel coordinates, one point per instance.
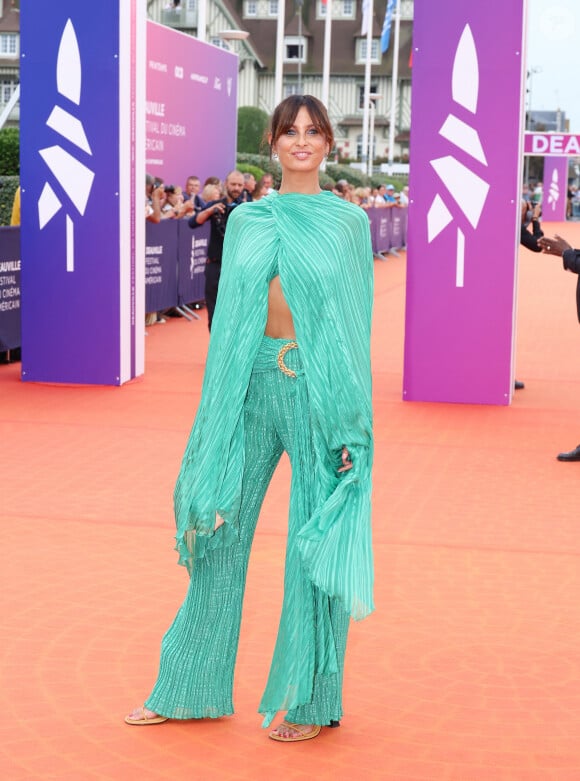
(218, 212)
(531, 214)
(529, 238)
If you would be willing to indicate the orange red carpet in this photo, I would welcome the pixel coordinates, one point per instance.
(468, 671)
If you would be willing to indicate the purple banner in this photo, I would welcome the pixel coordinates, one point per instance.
(555, 189)
(382, 230)
(76, 135)
(464, 213)
(372, 215)
(191, 107)
(160, 265)
(388, 228)
(192, 251)
(10, 286)
(554, 144)
(398, 227)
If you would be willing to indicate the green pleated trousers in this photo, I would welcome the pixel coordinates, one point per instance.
(198, 651)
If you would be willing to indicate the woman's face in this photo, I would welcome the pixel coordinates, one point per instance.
(302, 147)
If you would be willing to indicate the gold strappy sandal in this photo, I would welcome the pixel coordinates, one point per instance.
(141, 722)
(299, 728)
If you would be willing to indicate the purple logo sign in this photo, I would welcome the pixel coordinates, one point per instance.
(554, 144)
(463, 217)
(554, 187)
(73, 176)
(553, 190)
(82, 79)
(466, 188)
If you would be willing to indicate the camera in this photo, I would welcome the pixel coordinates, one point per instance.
(220, 219)
(169, 188)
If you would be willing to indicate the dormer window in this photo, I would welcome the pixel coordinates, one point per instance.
(295, 49)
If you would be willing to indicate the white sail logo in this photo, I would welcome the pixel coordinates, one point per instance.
(72, 175)
(467, 189)
(554, 190)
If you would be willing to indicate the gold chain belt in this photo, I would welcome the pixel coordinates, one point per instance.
(283, 350)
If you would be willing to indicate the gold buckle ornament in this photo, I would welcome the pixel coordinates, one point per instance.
(283, 350)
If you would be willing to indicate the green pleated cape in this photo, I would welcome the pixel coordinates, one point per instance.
(320, 246)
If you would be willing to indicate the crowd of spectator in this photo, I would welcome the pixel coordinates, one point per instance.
(533, 193)
(171, 202)
(385, 196)
(573, 203)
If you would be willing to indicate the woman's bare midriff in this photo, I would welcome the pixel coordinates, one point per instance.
(279, 324)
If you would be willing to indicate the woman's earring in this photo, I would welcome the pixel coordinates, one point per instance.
(275, 156)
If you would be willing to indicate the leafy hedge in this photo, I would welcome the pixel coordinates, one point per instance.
(262, 162)
(9, 151)
(252, 124)
(332, 174)
(358, 179)
(8, 186)
(9, 171)
(247, 168)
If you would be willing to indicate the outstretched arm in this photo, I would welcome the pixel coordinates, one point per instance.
(560, 247)
(531, 238)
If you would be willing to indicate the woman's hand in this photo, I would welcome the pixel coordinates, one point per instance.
(556, 246)
(346, 462)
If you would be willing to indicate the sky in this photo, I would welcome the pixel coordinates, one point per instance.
(553, 52)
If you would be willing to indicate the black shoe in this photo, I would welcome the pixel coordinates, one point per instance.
(518, 385)
(572, 455)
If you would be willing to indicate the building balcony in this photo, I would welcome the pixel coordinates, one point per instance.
(179, 18)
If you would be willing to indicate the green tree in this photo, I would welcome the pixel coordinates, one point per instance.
(252, 124)
(9, 152)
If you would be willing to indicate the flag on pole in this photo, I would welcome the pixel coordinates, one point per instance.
(386, 34)
(365, 17)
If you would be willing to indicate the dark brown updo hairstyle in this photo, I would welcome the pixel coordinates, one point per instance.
(285, 113)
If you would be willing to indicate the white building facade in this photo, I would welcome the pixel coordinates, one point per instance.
(303, 57)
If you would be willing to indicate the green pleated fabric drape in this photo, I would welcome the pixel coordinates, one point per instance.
(320, 247)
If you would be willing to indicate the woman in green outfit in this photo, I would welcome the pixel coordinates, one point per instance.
(288, 368)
